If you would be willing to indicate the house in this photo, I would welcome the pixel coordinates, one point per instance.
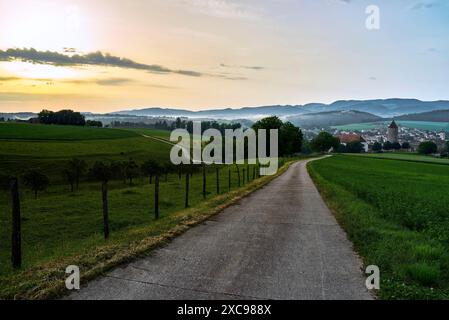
(351, 137)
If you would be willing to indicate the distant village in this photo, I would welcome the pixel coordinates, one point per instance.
(393, 133)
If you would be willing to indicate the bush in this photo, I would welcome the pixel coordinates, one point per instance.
(427, 147)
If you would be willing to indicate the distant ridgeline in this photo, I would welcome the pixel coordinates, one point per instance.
(64, 117)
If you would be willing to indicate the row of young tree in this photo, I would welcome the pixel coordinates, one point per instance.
(77, 170)
(387, 146)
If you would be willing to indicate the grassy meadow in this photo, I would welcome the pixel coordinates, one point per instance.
(413, 157)
(420, 125)
(25, 131)
(396, 214)
(52, 145)
(60, 228)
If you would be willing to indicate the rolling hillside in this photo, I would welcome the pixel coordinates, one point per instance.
(332, 118)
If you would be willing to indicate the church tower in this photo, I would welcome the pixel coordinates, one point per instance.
(393, 132)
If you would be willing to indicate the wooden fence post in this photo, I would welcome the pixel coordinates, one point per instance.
(156, 197)
(187, 189)
(16, 248)
(204, 180)
(104, 193)
(218, 179)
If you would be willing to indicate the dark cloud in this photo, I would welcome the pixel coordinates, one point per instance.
(242, 67)
(8, 79)
(95, 59)
(101, 82)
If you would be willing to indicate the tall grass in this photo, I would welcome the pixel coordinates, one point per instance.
(396, 213)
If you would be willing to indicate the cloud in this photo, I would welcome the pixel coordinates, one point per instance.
(5, 79)
(242, 67)
(424, 5)
(91, 59)
(26, 97)
(228, 9)
(101, 82)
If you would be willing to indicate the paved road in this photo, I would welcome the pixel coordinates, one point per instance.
(281, 242)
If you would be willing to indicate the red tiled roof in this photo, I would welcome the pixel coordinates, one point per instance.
(346, 138)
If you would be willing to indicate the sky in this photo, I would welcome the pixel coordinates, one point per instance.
(109, 55)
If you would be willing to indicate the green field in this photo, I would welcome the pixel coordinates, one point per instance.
(396, 213)
(45, 151)
(24, 131)
(414, 157)
(421, 125)
(60, 228)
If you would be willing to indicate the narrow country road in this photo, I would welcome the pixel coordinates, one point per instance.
(281, 242)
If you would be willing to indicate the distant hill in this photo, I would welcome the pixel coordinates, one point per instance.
(332, 118)
(382, 108)
(18, 115)
(433, 116)
(247, 112)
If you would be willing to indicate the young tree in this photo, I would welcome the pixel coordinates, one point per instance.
(427, 147)
(377, 147)
(324, 141)
(103, 172)
(69, 176)
(131, 170)
(290, 139)
(354, 147)
(78, 168)
(405, 146)
(387, 146)
(36, 180)
(149, 168)
(396, 146)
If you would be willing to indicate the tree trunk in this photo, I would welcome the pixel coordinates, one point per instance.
(247, 173)
(156, 197)
(35, 194)
(71, 187)
(204, 181)
(243, 175)
(151, 179)
(16, 239)
(218, 179)
(187, 189)
(104, 193)
(77, 183)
